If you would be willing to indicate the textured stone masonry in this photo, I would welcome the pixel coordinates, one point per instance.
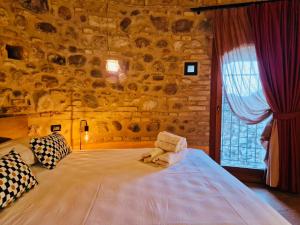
(52, 67)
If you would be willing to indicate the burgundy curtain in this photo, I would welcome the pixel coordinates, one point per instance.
(276, 34)
(238, 65)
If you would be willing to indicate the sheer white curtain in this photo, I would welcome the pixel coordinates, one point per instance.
(244, 92)
(242, 85)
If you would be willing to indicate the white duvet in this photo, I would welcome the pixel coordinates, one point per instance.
(114, 188)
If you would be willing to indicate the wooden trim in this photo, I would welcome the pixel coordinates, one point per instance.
(247, 175)
(215, 109)
(115, 145)
(128, 145)
(14, 127)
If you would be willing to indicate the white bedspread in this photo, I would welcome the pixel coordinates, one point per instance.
(114, 188)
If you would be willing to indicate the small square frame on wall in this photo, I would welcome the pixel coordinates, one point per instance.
(191, 69)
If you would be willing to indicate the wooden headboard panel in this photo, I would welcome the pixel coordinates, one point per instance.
(14, 127)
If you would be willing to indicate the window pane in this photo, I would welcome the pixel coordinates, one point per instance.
(240, 144)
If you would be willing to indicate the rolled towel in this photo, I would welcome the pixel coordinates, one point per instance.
(169, 137)
(181, 145)
(169, 158)
(149, 156)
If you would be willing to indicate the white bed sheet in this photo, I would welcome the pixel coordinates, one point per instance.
(112, 187)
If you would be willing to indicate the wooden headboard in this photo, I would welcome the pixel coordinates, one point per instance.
(14, 127)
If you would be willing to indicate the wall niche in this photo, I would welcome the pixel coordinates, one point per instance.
(14, 52)
(36, 6)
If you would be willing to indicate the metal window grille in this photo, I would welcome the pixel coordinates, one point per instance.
(240, 143)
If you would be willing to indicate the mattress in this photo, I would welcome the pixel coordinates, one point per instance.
(114, 188)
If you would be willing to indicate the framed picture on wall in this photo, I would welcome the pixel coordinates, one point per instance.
(190, 68)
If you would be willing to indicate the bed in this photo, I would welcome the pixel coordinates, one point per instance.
(111, 187)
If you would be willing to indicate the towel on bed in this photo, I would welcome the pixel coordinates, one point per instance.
(149, 156)
(170, 142)
(169, 158)
(166, 143)
(181, 145)
(169, 137)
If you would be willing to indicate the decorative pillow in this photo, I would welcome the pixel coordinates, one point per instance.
(20, 145)
(15, 178)
(64, 147)
(50, 149)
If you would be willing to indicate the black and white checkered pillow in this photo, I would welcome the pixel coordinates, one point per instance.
(15, 178)
(50, 149)
(64, 147)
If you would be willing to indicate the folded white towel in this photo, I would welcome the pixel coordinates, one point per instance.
(149, 156)
(169, 137)
(181, 145)
(169, 158)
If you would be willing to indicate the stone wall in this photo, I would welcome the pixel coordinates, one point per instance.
(52, 67)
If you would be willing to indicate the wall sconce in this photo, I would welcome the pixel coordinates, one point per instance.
(84, 128)
(112, 66)
(191, 68)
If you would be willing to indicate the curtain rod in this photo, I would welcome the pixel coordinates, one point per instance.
(200, 9)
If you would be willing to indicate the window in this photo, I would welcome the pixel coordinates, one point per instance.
(240, 143)
(246, 74)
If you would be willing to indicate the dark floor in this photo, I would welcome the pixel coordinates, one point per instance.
(288, 205)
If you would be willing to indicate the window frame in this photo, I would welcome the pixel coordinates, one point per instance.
(216, 94)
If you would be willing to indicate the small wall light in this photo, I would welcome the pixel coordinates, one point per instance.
(191, 68)
(112, 66)
(84, 128)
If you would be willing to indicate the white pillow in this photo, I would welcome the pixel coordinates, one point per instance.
(24, 141)
(21, 146)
